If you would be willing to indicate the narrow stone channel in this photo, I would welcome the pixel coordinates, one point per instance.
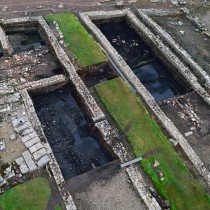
(75, 148)
(160, 81)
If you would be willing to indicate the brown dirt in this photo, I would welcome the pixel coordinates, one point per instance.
(15, 148)
(30, 66)
(195, 43)
(199, 140)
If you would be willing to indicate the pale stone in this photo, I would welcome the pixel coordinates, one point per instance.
(32, 142)
(35, 147)
(40, 153)
(43, 161)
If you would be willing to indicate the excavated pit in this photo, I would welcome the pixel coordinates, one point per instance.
(75, 147)
(97, 74)
(24, 39)
(160, 81)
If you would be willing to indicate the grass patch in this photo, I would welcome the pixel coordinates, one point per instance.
(33, 195)
(57, 207)
(147, 139)
(79, 41)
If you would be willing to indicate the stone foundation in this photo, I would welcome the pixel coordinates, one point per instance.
(166, 54)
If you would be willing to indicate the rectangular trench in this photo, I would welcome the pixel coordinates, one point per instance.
(76, 148)
(160, 80)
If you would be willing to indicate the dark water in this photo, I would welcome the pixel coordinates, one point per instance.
(25, 40)
(67, 131)
(158, 79)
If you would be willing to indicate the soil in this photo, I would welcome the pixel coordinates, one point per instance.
(105, 188)
(14, 148)
(194, 117)
(195, 43)
(29, 66)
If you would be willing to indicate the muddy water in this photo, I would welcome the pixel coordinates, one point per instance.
(157, 78)
(67, 131)
(25, 40)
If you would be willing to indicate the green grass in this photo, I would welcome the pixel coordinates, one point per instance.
(57, 207)
(79, 41)
(32, 195)
(147, 140)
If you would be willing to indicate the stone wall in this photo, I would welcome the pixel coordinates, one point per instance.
(141, 90)
(111, 138)
(7, 49)
(186, 58)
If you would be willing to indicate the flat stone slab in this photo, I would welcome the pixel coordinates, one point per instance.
(23, 127)
(32, 135)
(43, 161)
(29, 162)
(20, 161)
(24, 169)
(25, 138)
(40, 153)
(35, 147)
(27, 131)
(31, 142)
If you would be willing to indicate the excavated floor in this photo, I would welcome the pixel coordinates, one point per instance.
(160, 81)
(74, 146)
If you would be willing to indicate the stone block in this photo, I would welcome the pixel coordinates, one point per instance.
(13, 137)
(2, 181)
(23, 127)
(35, 147)
(43, 161)
(20, 161)
(27, 131)
(25, 138)
(33, 135)
(40, 153)
(24, 169)
(29, 162)
(31, 142)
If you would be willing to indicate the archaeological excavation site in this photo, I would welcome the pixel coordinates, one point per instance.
(105, 105)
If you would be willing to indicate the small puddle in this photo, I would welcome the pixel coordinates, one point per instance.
(160, 81)
(25, 40)
(75, 148)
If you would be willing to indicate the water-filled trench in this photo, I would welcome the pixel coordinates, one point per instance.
(76, 149)
(159, 80)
